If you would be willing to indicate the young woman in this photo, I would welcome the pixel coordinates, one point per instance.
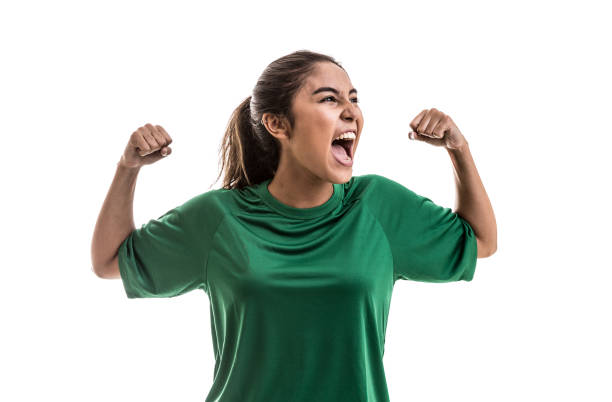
(297, 256)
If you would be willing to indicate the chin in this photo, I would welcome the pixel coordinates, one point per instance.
(341, 177)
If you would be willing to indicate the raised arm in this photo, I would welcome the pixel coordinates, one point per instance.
(472, 202)
(438, 129)
(115, 222)
(146, 145)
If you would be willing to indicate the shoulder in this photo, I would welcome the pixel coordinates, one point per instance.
(377, 186)
(207, 199)
(207, 209)
(387, 199)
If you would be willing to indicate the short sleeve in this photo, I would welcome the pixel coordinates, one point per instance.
(430, 243)
(162, 258)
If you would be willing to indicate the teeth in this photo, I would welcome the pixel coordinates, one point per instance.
(349, 135)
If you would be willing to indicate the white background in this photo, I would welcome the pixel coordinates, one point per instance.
(527, 83)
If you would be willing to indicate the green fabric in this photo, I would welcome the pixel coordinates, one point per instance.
(299, 298)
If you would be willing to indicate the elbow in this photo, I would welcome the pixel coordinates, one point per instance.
(105, 271)
(97, 267)
(109, 270)
(492, 245)
(492, 250)
(98, 272)
(485, 250)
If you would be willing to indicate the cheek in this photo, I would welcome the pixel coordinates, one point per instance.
(317, 149)
(359, 117)
(323, 125)
(311, 147)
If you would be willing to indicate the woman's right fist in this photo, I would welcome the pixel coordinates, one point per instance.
(147, 145)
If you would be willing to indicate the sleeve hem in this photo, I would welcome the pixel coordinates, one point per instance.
(123, 271)
(472, 257)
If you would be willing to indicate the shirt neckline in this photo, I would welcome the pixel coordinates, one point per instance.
(300, 213)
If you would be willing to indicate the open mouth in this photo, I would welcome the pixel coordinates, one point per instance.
(346, 144)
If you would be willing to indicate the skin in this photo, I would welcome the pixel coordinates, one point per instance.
(472, 202)
(307, 169)
(146, 145)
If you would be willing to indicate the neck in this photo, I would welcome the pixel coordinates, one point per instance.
(300, 189)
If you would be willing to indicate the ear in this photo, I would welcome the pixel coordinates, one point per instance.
(276, 125)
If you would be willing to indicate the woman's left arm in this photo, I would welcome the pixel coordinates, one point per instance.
(472, 202)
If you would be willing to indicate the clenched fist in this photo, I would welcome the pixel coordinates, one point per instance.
(147, 145)
(436, 128)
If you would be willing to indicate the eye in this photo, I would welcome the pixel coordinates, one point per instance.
(355, 100)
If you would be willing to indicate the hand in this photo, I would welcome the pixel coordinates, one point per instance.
(436, 128)
(147, 145)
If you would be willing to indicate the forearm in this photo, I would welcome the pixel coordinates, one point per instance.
(116, 219)
(472, 202)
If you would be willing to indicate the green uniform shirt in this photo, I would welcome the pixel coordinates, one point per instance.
(299, 297)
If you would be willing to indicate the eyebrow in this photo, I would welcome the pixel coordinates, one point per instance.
(334, 90)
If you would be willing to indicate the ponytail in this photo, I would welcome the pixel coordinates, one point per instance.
(249, 154)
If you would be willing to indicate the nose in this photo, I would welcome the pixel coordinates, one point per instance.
(349, 112)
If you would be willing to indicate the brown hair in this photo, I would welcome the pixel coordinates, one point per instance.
(249, 153)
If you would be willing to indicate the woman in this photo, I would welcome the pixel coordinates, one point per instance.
(297, 256)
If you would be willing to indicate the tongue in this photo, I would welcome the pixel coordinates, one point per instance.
(339, 152)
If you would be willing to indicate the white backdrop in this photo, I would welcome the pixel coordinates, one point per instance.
(528, 84)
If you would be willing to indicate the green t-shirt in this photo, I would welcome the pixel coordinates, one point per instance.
(299, 297)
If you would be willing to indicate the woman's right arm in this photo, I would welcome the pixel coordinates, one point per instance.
(115, 222)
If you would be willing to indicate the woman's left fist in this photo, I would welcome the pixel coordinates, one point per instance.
(436, 128)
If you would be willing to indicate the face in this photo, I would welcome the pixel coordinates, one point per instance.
(320, 117)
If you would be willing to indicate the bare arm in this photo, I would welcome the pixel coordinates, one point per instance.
(472, 201)
(115, 222)
(146, 145)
